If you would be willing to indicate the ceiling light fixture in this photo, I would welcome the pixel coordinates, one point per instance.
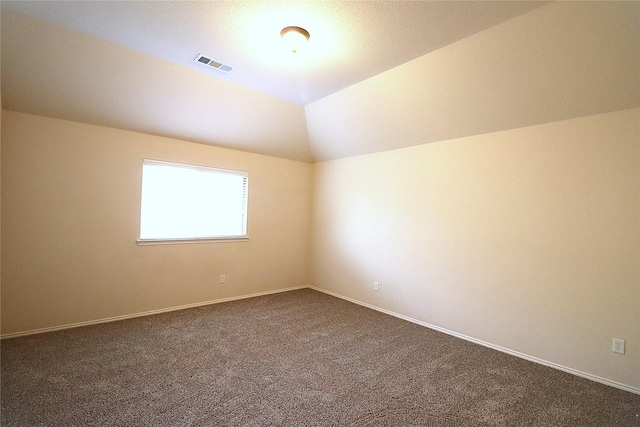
(295, 37)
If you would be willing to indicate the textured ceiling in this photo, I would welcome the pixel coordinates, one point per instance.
(350, 41)
(375, 75)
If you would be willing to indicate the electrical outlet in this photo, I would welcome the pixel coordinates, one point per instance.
(618, 346)
(376, 286)
(223, 278)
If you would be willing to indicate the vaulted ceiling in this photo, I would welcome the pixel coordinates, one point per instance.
(131, 65)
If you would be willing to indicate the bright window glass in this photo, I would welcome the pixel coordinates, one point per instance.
(183, 202)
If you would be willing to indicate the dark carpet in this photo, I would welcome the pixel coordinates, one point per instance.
(299, 358)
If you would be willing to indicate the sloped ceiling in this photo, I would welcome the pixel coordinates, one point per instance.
(130, 65)
(563, 61)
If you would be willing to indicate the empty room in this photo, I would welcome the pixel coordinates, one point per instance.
(320, 213)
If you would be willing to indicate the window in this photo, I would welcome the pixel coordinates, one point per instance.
(184, 202)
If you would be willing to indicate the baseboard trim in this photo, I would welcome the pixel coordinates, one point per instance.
(534, 359)
(144, 313)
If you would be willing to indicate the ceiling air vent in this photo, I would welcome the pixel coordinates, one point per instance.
(214, 63)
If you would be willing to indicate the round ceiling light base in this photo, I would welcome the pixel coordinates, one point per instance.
(295, 37)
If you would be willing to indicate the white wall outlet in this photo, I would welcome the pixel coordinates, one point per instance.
(618, 346)
(376, 286)
(223, 278)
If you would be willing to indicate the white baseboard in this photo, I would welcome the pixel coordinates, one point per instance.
(534, 359)
(144, 313)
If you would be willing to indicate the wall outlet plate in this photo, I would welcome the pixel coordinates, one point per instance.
(376, 286)
(618, 346)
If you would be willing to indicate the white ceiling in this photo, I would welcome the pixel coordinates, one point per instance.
(130, 65)
(350, 40)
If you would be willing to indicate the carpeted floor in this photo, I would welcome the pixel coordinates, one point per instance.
(298, 358)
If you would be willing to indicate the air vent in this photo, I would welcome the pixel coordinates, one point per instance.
(214, 63)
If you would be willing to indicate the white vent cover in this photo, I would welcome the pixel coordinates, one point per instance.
(214, 63)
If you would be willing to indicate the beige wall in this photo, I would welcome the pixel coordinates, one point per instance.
(70, 220)
(528, 239)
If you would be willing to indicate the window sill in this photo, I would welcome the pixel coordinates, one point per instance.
(151, 242)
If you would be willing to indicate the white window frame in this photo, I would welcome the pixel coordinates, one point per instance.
(147, 237)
